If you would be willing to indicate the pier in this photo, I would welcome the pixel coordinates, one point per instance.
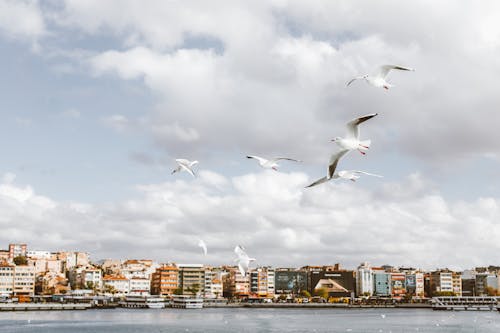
(43, 306)
(487, 303)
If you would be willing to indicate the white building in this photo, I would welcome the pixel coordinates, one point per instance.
(119, 284)
(35, 254)
(24, 280)
(139, 285)
(6, 279)
(364, 280)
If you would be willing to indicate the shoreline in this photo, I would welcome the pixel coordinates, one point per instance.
(88, 306)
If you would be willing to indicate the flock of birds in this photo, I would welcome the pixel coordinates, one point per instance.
(351, 141)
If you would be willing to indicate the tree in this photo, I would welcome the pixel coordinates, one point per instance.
(193, 289)
(321, 292)
(305, 293)
(178, 291)
(20, 260)
(490, 291)
(443, 293)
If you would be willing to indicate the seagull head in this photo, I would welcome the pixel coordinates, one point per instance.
(337, 138)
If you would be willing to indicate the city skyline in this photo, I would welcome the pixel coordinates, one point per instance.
(97, 104)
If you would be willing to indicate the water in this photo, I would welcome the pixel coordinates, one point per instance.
(249, 320)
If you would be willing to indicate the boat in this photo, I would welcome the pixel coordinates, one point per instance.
(143, 302)
(187, 302)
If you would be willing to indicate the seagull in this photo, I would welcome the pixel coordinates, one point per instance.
(378, 80)
(243, 260)
(185, 165)
(351, 140)
(203, 245)
(334, 160)
(272, 163)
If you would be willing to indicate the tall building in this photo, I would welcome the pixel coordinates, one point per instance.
(398, 285)
(235, 284)
(381, 283)
(364, 280)
(262, 282)
(213, 282)
(165, 280)
(290, 281)
(191, 278)
(16, 250)
(444, 282)
(116, 284)
(415, 284)
(24, 280)
(6, 279)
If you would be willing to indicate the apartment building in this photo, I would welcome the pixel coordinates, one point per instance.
(165, 280)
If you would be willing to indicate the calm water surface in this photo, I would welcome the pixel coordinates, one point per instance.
(249, 320)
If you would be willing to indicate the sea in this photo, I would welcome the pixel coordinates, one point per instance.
(249, 320)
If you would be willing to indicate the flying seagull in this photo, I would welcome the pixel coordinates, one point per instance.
(272, 163)
(185, 165)
(243, 260)
(203, 245)
(351, 175)
(332, 165)
(351, 140)
(379, 79)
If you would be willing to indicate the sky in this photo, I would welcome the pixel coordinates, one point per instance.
(98, 99)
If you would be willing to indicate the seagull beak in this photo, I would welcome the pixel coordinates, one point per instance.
(333, 140)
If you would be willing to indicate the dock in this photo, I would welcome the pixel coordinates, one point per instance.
(43, 306)
(476, 303)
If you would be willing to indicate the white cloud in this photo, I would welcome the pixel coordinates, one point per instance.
(71, 113)
(117, 122)
(278, 221)
(21, 19)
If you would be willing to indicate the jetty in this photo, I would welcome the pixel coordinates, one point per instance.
(475, 303)
(43, 306)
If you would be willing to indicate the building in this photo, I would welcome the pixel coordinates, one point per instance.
(6, 279)
(138, 268)
(415, 284)
(331, 275)
(116, 284)
(139, 285)
(235, 284)
(33, 254)
(364, 280)
(381, 283)
(398, 285)
(213, 282)
(486, 284)
(24, 280)
(91, 278)
(191, 278)
(53, 284)
(290, 281)
(165, 280)
(262, 282)
(445, 282)
(16, 250)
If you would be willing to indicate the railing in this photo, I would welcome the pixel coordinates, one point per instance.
(465, 302)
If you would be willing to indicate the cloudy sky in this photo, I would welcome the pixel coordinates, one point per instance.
(97, 99)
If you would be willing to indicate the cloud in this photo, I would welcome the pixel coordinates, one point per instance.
(117, 122)
(22, 19)
(71, 113)
(278, 221)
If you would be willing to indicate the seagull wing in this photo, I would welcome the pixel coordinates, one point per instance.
(319, 181)
(334, 160)
(202, 244)
(182, 161)
(352, 126)
(352, 80)
(188, 169)
(366, 173)
(239, 251)
(384, 70)
(285, 158)
(242, 269)
(260, 159)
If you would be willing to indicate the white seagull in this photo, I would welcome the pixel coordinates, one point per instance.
(272, 163)
(379, 79)
(351, 140)
(243, 260)
(332, 165)
(185, 165)
(203, 245)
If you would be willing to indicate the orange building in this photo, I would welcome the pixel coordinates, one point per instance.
(165, 280)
